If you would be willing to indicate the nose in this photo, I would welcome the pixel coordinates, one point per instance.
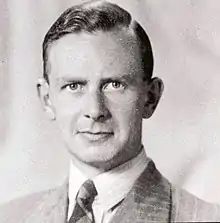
(95, 107)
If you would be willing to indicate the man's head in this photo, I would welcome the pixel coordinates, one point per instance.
(98, 84)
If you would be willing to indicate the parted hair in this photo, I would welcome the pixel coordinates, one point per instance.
(94, 16)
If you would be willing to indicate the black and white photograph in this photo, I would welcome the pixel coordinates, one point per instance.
(109, 111)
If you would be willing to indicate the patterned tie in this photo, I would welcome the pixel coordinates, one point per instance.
(83, 207)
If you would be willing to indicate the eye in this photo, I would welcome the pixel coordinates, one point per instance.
(74, 87)
(114, 86)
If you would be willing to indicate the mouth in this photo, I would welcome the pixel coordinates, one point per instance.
(96, 136)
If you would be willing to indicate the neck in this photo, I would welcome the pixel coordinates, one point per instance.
(88, 170)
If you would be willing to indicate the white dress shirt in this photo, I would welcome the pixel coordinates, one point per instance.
(112, 186)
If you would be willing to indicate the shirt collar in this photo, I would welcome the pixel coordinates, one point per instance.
(112, 186)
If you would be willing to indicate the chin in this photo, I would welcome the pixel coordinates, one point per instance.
(97, 156)
(99, 153)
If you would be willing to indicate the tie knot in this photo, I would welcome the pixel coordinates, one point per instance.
(87, 193)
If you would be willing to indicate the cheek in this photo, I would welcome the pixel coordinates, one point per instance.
(126, 111)
(66, 112)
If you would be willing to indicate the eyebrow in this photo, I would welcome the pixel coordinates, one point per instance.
(123, 78)
(70, 80)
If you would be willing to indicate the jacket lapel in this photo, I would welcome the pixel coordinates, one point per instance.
(148, 201)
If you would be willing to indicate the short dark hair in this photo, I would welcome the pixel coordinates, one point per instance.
(96, 16)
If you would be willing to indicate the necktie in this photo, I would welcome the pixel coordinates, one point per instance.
(83, 207)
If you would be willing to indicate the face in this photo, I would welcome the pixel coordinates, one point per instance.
(98, 96)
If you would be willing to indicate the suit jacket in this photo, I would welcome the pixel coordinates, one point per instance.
(152, 199)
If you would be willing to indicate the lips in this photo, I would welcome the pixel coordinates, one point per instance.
(96, 135)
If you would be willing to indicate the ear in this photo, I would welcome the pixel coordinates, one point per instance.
(43, 94)
(154, 90)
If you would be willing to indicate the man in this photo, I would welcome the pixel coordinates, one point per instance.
(98, 87)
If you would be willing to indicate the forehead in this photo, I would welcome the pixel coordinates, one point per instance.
(115, 51)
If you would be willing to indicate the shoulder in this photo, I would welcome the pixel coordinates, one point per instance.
(22, 206)
(188, 207)
(184, 206)
(20, 209)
